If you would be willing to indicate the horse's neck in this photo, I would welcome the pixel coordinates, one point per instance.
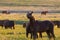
(32, 21)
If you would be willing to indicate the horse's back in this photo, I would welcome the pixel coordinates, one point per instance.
(47, 22)
(46, 25)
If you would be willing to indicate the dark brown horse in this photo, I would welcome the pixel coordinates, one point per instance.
(44, 26)
(44, 12)
(9, 24)
(57, 23)
(28, 29)
(5, 12)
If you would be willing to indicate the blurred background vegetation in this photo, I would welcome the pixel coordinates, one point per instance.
(29, 2)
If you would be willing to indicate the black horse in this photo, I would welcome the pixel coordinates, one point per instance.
(44, 26)
(57, 23)
(28, 30)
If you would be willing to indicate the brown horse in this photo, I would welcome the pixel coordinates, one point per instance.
(44, 26)
(44, 12)
(5, 12)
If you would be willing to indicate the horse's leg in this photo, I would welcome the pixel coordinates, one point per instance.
(31, 35)
(40, 35)
(27, 34)
(37, 35)
(2, 26)
(58, 26)
(6, 27)
(34, 35)
(52, 33)
(48, 33)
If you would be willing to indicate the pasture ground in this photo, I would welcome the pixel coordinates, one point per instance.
(29, 2)
(19, 32)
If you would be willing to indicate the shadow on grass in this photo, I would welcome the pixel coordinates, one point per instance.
(12, 33)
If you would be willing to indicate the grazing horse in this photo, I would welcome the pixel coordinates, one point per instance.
(44, 26)
(57, 23)
(5, 12)
(9, 24)
(44, 12)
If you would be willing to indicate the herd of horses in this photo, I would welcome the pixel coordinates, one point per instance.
(42, 13)
(35, 26)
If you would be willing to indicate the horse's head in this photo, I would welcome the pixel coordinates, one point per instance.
(29, 14)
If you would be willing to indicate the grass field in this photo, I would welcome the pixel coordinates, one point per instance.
(32, 1)
(29, 2)
(19, 32)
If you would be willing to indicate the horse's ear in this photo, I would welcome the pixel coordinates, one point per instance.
(31, 11)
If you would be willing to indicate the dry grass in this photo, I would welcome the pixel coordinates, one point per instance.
(23, 16)
(28, 8)
(32, 1)
(19, 32)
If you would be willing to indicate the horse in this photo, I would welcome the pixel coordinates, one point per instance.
(44, 26)
(28, 29)
(57, 23)
(5, 12)
(44, 12)
(8, 24)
